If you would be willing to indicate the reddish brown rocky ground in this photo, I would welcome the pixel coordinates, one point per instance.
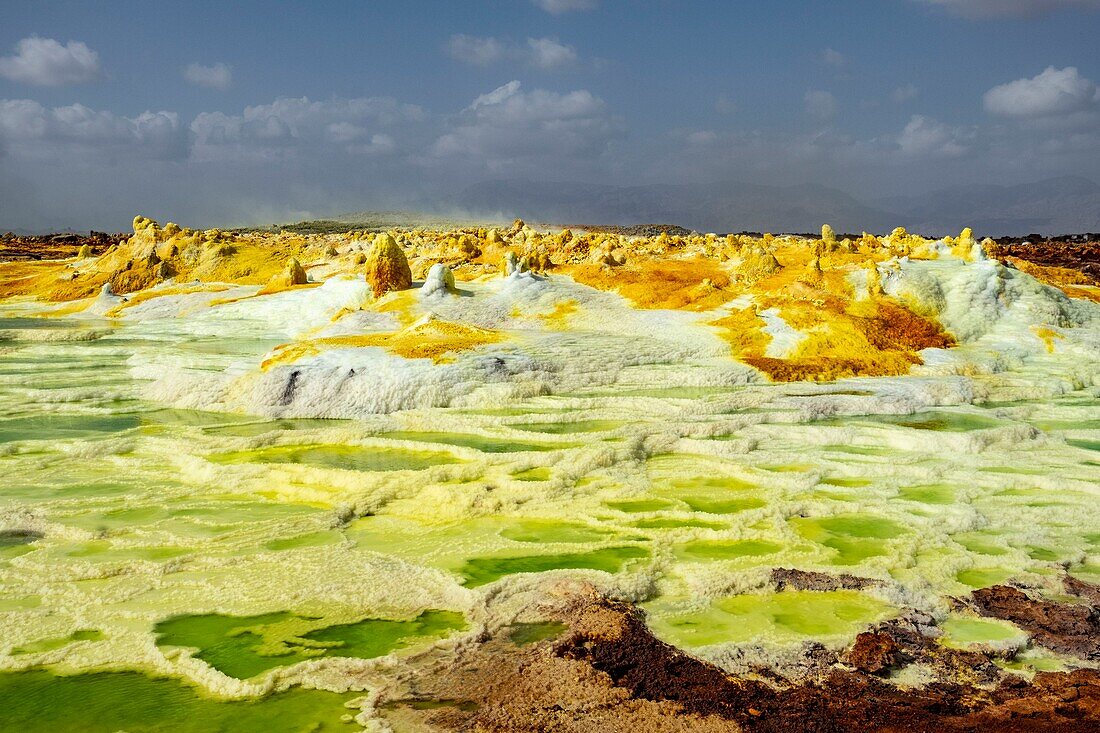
(1080, 253)
(607, 672)
(15, 247)
(1066, 628)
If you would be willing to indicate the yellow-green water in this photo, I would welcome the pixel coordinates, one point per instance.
(108, 702)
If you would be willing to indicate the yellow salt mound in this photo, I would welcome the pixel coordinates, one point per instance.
(874, 280)
(387, 266)
(293, 275)
(757, 264)
(964, 247)
(813, 274)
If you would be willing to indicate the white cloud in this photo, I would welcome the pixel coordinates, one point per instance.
(288, 128)
(1009, 8)
(832, 57)
(547, 53)
(497, 96)
(924, 136)
(1053, 92)
(542, 53)
(557, 7)
(473, 50)
(820, 104)
(216, 76)
(45, 62)
(508, 125)
(904, 93)
(32, 130)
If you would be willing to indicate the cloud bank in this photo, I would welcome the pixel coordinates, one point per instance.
(45, 62)
(73, 165)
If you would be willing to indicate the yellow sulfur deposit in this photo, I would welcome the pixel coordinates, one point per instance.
(154, 255)
(430, 339)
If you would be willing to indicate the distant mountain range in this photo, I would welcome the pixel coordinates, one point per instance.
(1067, 205)
(1052, 206)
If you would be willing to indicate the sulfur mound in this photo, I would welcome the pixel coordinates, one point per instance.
(757, 264)
(293, 275)
(387, 267)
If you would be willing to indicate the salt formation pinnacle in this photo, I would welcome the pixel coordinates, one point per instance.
(513, 264)
(757, 264)
(289, 277)
(440, 279)
(387, 266)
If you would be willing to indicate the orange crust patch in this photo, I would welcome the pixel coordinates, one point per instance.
(695, 285)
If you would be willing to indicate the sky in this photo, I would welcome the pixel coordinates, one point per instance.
(215, 113)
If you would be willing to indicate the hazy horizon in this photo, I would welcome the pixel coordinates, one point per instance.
(320, 110)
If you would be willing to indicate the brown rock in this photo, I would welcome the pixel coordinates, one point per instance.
(1081, 589)
(874, 652)
(783, 578)
(1062, 627)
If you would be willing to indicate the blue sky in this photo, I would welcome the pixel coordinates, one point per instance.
(213, 112)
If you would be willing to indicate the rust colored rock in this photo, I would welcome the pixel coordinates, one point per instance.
(874, 652)
(608, 673)
(844, 701)
(647, 667)
(1062, 627)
